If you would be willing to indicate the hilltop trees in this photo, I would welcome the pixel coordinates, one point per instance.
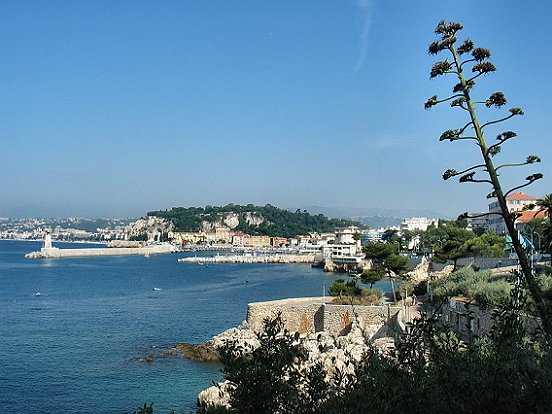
(255, 220)
(466, 56)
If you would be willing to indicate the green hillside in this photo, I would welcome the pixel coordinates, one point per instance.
(275, 221)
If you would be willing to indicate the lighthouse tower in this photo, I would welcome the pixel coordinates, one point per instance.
(47, 241)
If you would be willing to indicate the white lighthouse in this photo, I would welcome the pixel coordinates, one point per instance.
(48, 249)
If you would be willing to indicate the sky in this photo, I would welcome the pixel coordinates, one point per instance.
(117, 108)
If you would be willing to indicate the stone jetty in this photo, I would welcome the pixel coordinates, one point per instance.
(262, 258)
(55, 253)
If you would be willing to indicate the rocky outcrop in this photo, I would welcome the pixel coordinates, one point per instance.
(421, 272)
(151, 228)
(447, 270)
(254, 218)
(231, 221)
(216, 396)
(333, 353)
(198, 352)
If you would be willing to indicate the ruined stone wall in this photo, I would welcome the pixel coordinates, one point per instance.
(310, 315)
(338, 319)
(300, 314)
(455, 315)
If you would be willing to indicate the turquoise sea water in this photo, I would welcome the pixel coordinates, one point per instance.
(79, 346)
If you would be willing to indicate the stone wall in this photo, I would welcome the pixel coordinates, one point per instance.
(455, 315)
(311, 315)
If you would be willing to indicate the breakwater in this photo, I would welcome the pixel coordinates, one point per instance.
(273, 258)
(55, 253)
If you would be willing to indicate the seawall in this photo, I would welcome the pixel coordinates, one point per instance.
(55, 253)
(262, 258)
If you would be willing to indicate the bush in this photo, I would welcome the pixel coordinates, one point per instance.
(483, 287)
(432, 371)
(366, 297)
(342, 288)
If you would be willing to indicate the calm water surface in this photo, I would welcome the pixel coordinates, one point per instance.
(79, 346)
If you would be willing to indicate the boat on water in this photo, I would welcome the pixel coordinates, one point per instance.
(37, 294)
(157, 289)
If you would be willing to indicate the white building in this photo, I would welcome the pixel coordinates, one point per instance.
(514, 202)
(478, 222)
(346, 248)
(418, 223)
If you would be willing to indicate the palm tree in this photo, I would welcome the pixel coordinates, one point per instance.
(545, 204)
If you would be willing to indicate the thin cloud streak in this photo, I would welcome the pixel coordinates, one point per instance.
(366, 8)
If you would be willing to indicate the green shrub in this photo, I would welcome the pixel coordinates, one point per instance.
(484, 287)
(342, 288)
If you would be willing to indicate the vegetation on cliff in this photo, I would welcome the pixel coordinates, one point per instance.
(431, 370)
(269, 220)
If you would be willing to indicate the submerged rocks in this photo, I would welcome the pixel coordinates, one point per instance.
(207, 352)
(199, 352)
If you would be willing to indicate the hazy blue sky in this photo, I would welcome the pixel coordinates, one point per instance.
(121, 107)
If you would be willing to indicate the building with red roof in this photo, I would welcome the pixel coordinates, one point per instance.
(515, 202)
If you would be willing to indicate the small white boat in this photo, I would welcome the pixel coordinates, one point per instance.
(37, 294)
(157, 289)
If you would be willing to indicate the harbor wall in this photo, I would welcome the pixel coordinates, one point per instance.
(55, 253)
(259, 258)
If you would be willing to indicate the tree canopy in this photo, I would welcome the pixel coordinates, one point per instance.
(274, 221)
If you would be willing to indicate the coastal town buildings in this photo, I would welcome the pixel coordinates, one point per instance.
(418, 223)
(64, 229)
(516, 202)
(346, 249)
(477, 221)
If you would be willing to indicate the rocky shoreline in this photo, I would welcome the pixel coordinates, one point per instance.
(332, 353)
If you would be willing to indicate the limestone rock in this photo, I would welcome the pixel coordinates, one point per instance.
(254, 218)
(420, 272)
(155, 228)
(342, 352)
(232, 220)
(215, 396)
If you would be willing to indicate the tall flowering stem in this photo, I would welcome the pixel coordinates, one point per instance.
(462, 57)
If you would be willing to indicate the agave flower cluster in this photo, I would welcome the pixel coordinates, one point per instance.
(469, 63)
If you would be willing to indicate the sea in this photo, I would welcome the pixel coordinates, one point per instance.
(74, 332)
